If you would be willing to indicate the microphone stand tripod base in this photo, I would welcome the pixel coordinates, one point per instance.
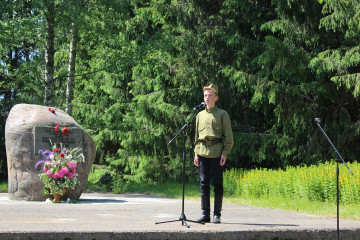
(183, 219)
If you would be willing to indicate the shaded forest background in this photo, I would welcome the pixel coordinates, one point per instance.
(131, 71)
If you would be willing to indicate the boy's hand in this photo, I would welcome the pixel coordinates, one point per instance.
(196, 161)
(222, 160)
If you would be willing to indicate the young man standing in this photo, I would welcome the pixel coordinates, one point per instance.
(213, 141)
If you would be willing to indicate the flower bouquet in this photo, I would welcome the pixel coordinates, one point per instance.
(59, 169)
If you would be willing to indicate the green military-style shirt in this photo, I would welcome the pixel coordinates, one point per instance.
(213, 124)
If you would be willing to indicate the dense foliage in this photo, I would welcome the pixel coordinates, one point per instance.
(313, 183)
(140, 66)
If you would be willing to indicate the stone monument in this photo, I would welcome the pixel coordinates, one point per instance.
(29, 128)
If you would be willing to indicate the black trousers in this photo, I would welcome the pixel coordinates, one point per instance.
(210, 168)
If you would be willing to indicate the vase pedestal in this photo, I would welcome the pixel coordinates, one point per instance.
(59, 197)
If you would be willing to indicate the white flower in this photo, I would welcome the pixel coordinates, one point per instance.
(52, 157)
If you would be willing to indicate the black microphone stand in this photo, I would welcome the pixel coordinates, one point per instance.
(182, 215)
(317, 120)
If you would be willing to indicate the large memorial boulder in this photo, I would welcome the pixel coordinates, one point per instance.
(29, 128)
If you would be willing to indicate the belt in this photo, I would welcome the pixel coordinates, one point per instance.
(212, 142)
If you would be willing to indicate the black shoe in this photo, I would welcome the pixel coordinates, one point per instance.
(217, 208)
(216, 219)
(204, 219)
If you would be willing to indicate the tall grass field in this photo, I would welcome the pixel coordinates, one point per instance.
(311, 183)
(306, 189)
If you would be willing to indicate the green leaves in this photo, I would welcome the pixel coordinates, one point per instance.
(141, 66)
(341, 16)
(350, 81)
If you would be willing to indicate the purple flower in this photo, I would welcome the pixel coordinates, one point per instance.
(38, 163)
(46, 154)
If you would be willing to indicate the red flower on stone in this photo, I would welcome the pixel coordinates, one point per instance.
(49, 109)
(62, 155)
(57, 128)
(53, 111)
(65, 130)
(56, 150)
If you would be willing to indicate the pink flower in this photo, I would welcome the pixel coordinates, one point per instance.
(72, 164)
(70, 175)
(48, 163)
(45, 169)
(55, 175)
(60, 174)
(74, 170)
(65, 170)
(48, 173)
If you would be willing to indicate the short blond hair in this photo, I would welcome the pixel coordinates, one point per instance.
(213, 87)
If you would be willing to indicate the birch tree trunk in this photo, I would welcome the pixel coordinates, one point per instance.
(71, 70)
(49, 51)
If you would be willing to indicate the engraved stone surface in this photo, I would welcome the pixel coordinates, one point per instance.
(44, 136)
(28, 129)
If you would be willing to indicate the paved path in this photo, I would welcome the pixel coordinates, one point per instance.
(133, 216)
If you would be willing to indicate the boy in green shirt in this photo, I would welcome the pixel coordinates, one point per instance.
(213, 141)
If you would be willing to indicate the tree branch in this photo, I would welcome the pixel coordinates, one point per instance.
(79, 75)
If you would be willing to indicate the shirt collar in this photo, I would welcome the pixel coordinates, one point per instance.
(211, 109)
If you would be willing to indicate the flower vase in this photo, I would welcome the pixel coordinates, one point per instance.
(59, 197)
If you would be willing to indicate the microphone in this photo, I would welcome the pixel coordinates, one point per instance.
(199, 106)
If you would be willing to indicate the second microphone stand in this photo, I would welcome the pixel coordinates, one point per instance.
(182, 215)
(317, 120)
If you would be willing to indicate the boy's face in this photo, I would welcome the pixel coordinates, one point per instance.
(210, 98)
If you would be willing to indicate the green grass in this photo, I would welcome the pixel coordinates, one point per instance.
(347, 211)
(310, 183)
(3, 186)
(169, 189)
(96, 173)
(192, 192)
